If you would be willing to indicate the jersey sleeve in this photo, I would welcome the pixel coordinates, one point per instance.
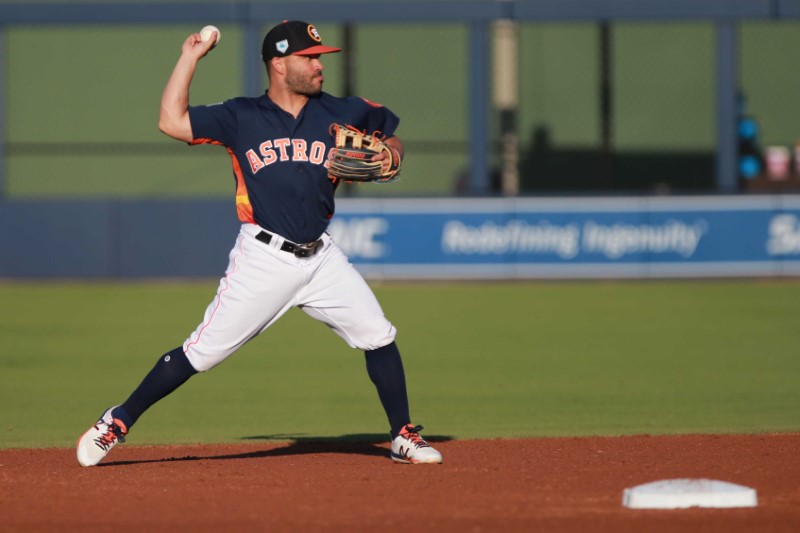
(214, 124)
(375, 117)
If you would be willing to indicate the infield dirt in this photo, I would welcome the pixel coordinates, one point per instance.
(547, 484)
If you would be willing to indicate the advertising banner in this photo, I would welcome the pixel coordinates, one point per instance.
(580, 237)
(412, 238)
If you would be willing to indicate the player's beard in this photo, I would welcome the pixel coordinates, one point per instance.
(310, 86)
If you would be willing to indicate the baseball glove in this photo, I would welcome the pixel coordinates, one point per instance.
(351, 159)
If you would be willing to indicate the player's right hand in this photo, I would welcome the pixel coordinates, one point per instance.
(195, 47)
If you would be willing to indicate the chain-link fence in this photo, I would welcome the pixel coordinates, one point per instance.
(586, 106)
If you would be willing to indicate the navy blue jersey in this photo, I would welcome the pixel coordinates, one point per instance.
(281, 163)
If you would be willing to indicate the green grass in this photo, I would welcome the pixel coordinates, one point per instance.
(482, 360)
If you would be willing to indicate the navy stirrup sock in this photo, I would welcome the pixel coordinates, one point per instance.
(171, 371)
(385, 369)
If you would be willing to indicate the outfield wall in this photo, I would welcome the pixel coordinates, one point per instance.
(514, 238)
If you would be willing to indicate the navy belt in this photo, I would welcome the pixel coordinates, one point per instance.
(299, 250)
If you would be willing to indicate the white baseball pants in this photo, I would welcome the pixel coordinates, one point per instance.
(262, 282)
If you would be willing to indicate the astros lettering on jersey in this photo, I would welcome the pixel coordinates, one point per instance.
(279, 162)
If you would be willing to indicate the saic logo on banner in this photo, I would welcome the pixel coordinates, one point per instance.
(360, 237)
(784, 235)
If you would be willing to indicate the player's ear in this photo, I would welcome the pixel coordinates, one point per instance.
(277, 65)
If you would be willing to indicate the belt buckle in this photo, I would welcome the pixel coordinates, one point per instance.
(306, 250)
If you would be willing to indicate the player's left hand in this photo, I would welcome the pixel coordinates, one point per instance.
(386, 157)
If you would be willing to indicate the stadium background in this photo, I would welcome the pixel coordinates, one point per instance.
(607, 99)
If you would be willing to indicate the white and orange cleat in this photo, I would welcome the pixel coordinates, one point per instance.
(408, 447)
(95, 444)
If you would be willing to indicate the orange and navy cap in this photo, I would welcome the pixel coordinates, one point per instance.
(294, 37)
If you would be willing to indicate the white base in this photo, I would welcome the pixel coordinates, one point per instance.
(685, 493)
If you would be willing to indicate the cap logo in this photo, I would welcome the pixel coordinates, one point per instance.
(312, 32)
(282, 46)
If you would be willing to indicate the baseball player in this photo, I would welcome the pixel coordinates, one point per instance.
(282, 258)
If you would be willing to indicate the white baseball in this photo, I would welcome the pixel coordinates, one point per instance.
(205, 33)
